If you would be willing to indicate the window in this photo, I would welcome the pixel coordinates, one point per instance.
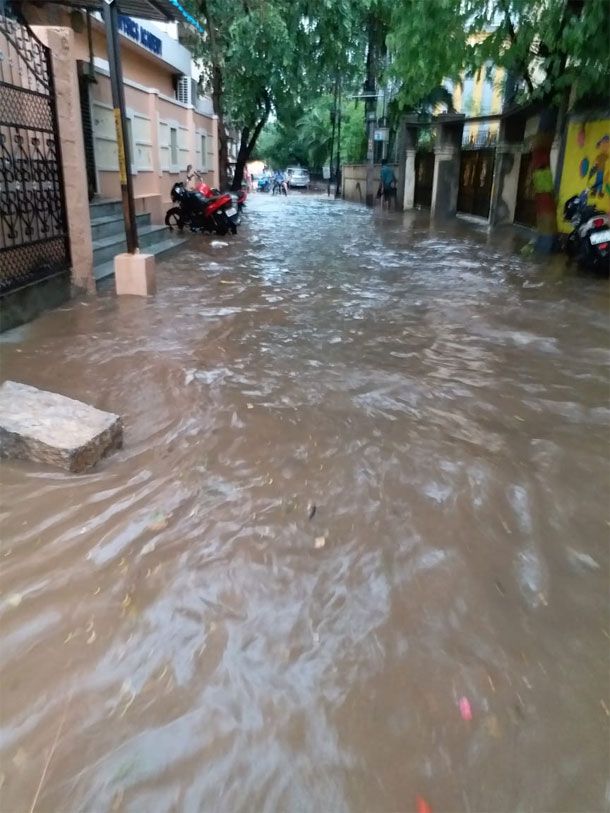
(183, 89)
(204, 151)
(173, 146)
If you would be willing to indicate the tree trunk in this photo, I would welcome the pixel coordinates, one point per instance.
(223, 151)
(242, 158)
(217, 95)
(247, 144)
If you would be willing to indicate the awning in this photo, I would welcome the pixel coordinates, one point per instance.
(161, 10)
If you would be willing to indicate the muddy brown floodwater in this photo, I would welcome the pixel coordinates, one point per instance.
(182, 631)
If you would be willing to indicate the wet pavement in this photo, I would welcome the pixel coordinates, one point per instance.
(354, 551)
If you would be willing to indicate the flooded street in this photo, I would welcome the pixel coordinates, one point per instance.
(363, 497)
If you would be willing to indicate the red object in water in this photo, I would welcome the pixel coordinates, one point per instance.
(465, 709)
(422, 805)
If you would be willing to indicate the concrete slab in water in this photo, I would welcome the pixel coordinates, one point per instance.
(45, 427)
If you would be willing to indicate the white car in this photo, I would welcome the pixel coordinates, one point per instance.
(298, 177)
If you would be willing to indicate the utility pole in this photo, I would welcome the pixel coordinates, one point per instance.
(110, 13)
(338, 171)
(333, 118)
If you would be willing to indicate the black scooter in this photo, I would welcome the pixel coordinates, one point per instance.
(589, 242)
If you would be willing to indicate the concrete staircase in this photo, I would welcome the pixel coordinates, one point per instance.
(108, 234)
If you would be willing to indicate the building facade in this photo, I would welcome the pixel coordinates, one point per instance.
(170, 126)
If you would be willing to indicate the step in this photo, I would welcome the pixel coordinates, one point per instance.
(115, 224)
(107, 247)
(106, 270)
(103, 207)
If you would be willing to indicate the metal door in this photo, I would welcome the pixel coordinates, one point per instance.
(525, 208)
(34, 241)
(476, 176)
(424, 176)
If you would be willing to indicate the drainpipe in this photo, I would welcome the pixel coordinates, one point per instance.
(118, 102)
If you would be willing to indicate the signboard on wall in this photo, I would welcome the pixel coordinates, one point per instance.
(381, 134)
(140, 35)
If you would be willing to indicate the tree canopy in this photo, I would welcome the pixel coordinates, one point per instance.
(281, 58)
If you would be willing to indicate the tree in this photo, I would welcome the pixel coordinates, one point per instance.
(271, 56)
(308, 141)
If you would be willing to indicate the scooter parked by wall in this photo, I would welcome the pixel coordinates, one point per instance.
(199, 212)
(589, 242)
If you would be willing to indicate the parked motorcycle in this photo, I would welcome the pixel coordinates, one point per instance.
(264, 183)
(589, 242)
(238, 198)
(201, 212)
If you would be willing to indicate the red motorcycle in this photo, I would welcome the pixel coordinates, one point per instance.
(238, 198)
(202, 210)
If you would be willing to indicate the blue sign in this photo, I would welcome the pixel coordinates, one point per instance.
(139, 34)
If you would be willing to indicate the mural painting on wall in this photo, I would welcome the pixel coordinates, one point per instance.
(586, 165)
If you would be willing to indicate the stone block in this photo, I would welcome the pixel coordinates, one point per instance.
(46, 427)
(135, 274)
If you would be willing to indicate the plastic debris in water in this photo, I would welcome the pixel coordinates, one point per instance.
(465, 710)
(158, 522)
(218, 244)
(422, 805)
(320, 542)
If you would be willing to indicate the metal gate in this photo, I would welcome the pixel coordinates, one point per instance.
(525, 208)
(476, 176)
(424, 176)
(34, 241)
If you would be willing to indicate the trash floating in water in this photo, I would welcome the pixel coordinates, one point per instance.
(148, 548)
(158, 522)
(577, 558)
(14, 600)
(218, 243)
(422, 805)
(320, 542)
(465, 710)
(311, 510)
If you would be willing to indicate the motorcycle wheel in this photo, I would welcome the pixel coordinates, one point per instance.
(174, 219)
(221, 223)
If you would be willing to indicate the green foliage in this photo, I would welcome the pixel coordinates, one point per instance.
(428, 44)
(308, 141)
(551, 47)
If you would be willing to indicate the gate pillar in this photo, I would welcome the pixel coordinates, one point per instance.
(447, 150)
(72, 152)
(411, 149)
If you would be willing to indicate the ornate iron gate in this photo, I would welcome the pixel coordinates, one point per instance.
(424, 177)
(476, 176)
(34, 241)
